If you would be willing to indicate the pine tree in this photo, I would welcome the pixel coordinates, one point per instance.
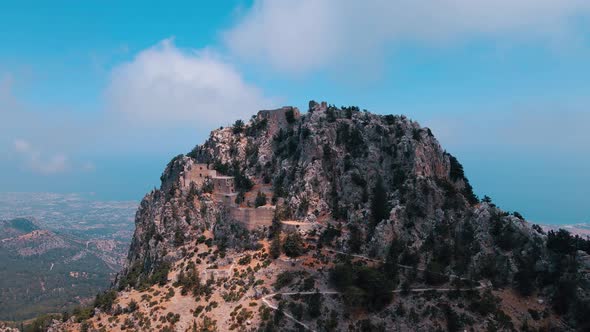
(314, 307)
(260, 199)
(293, 245)
(355, 240)
(379, 209)
(335, 201)
(275, 228)
(390, 266)
(275, 246)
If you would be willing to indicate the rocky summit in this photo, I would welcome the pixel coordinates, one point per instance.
(335, 219)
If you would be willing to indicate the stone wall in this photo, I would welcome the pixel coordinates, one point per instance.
(197, 173)
(223, 184)
(277, 119)
(224, 192)
(253, 217)
(214, 274)
(226, 199)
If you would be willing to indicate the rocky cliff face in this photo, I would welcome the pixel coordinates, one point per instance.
(377, 187)
(322, 166)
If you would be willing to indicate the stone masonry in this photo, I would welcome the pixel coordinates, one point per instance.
(224, 192)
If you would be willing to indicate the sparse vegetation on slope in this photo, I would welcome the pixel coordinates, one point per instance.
(376, 227)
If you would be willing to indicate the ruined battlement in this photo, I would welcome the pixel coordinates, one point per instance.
(253, 217)
(223, 184)
(279, 118)
(224, 192)
(198, 173)
(321, 107)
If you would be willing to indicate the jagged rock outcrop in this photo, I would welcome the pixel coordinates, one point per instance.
(323, 163)
(323, 167)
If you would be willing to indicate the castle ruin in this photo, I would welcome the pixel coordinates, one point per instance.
(224, 192)
(223, 186)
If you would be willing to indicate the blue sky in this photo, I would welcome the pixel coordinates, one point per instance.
(97, 97)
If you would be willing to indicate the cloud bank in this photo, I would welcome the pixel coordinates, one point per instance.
(166, 86)
(179, 94)
(38, 138)
(299, 36)
(35, 161)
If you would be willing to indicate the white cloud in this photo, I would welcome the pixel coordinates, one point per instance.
(52, 133)
(22, 146)
(166, 86)
(36, 162)
(162, 100)
(297, 36)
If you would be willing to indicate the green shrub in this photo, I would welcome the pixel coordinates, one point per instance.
(178, 237)
(484, 305)
(363, 287)
(293, 245)
(83, 313)
(290, 116)
(245, 260)
(104, 301)
(561, 242)
(285, 279)
(41, 323)
(208, 186)
(160, 275)
(260, 199)
(329, 234)
(132, 306)
(238, 127)
(331, 113)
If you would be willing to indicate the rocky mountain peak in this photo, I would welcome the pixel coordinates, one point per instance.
(318, 167)
(287, 209)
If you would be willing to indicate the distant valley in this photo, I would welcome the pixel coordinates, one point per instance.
(57, 251)
(581, 229)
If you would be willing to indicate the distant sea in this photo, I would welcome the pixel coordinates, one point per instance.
(581, 229)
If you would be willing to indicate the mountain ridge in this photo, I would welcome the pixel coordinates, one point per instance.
(49, 271)
(374, 198)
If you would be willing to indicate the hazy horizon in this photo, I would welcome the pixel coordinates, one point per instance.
(99, 100)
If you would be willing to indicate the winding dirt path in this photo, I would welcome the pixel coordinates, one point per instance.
(274, 307)
(482, 285)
